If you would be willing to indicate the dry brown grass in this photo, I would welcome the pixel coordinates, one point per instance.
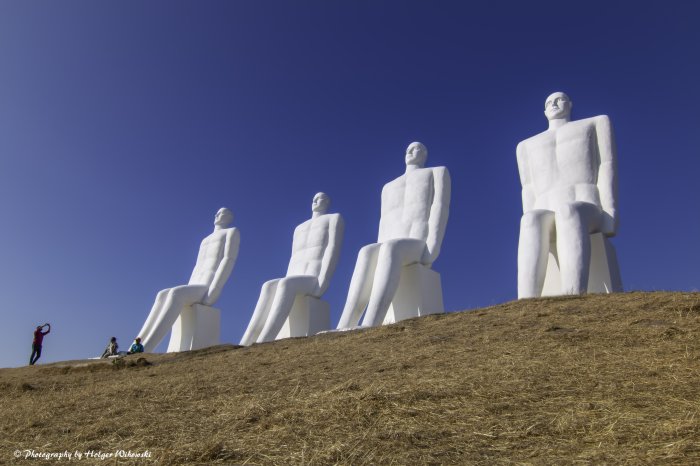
(581, 380)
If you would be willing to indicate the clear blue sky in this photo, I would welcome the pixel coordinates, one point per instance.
(124, 126)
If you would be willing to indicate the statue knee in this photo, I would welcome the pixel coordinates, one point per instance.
(568, 214)
(269, 284)
(389, 251)
(284, 286)
(533, 220)
(367, 251)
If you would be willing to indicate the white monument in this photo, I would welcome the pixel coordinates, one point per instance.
(393, 279)
(291, 306)
(187, 308)
(569, 190)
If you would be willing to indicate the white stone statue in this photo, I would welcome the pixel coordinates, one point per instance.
(215, 261)
(414, 212)
(290, 306)
(569, 192)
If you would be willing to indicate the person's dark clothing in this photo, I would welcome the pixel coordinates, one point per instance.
(36, 351)
(39, 336)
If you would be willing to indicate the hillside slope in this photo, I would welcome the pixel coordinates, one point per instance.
(586, 380)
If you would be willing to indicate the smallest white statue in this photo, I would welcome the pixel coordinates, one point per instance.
(290, 306)
(215, 261)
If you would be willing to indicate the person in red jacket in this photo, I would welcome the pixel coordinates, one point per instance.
(36, 344)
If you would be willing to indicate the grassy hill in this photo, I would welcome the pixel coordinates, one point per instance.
(587, 380)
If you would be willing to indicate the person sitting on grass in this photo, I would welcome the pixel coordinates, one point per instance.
(112, 348)
(136, 346)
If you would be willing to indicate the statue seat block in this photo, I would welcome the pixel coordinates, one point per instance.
(419, 294)
(197, 327)
(604, 272)
(308, 316)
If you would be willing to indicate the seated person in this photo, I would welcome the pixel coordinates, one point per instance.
(112, 348)
(136, 347)
(315, 252)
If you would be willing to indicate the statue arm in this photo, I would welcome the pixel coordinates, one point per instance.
(223, 271)
(336, 229)
(439, 211)
(527, 191)
(607, 174)
(200, 257)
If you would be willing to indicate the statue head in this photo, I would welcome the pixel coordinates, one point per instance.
(558, 106)
(223, 217)
(321, 203)
(416, 154)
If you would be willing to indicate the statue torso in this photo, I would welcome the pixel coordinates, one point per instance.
(406, 203)
(309, 245)
(563, 164)
(211, 251)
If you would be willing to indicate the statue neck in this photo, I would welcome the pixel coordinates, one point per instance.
(410, 168)
(557, 123)
(315, 214)
(218, 227)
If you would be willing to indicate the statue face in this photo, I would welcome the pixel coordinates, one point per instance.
(320, 203)
(416, 154)
(557, 105)
(223, 217)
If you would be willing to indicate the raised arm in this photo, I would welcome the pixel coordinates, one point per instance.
(49, 330)
(439, 211)
(331, 255)
(527, 191)
(607, 174)
(223, 271)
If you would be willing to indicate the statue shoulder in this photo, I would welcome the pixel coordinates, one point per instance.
(326, 219)
(440, 171)
(335, 218)
(303, 225)
(522, 145)
(596, 120)
(232, 233)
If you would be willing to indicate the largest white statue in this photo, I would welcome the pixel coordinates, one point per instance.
(569, 194)
(414, 212)
(187, 308)
(291, 306)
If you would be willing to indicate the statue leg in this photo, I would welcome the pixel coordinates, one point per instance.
(392, 256)
(574, 224)
(155, 312)
(262, 309)
(533, 251)
(287, 290)
(175, 301)
(360, 286)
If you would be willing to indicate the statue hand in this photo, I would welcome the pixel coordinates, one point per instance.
(427, 257)
(608, 226)
(318, 290)
(207, 301)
